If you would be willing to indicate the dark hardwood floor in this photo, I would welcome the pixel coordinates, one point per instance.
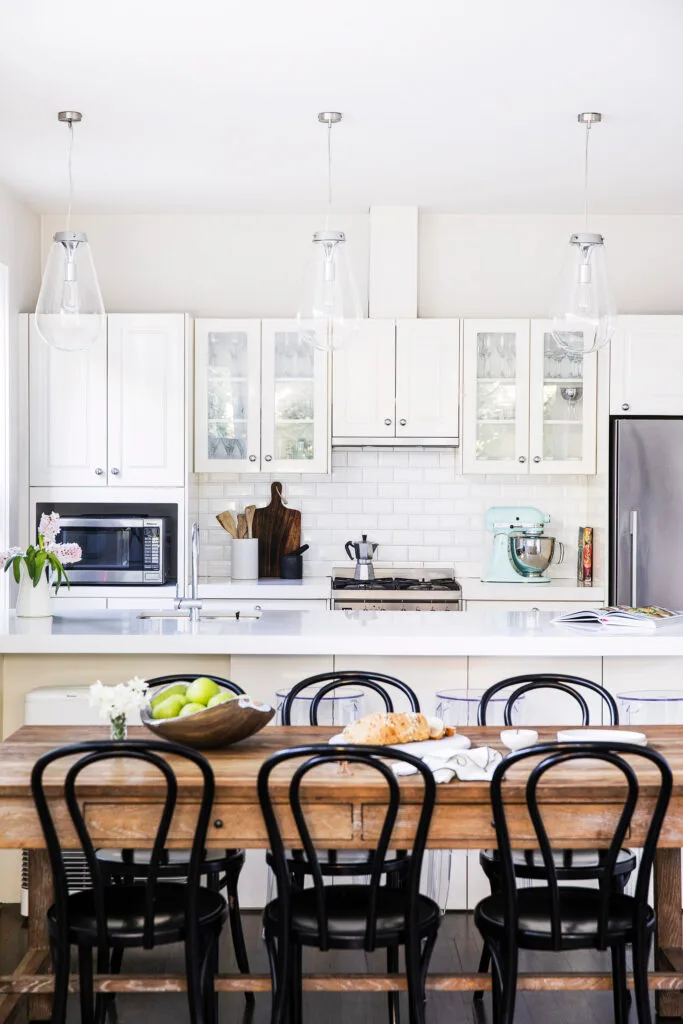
(458, 947)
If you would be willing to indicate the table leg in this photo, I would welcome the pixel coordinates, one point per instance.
(41, 899)
(667, 877)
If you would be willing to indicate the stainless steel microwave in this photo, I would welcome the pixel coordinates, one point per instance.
(119, 550)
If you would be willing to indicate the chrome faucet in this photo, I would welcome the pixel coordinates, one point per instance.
(193, 602)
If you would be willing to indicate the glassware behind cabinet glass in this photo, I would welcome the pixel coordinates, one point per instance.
(227, 395)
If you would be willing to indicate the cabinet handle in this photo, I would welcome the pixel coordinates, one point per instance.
(387, 423)
(626, 407)
(99, 471)
(403, 422)
(537, 458)
(268, 458)
(252, 458)
(258, 608)
(522, 458)
(115, 471)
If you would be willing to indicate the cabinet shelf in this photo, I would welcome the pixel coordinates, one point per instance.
(510, 421)
(294, 380)
(562, 423)
(223, 371)
(497, 380)
(279, 420)
(565, 382)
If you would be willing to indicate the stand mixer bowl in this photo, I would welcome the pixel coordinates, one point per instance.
(531, 556)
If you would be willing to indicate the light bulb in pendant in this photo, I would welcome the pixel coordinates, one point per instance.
(583, 314)
(70, 312)
(330, 313)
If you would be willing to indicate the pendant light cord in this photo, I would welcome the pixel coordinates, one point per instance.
(585, 179)
(329, 176)
(70, 171)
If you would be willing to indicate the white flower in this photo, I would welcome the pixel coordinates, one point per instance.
(49, 527)
(66, 553)
(121, 699)
(6, 555)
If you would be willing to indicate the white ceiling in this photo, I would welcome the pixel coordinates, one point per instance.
(469, 107)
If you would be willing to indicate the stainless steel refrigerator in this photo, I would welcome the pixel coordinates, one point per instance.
(646, 521)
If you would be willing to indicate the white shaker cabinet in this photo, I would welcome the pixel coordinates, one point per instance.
(397, 383)
(114, 413)
(364, 383)
(529, 406)
(646, 364)
(227, 396)
(146, 400)
(68, 413)
(495, 396)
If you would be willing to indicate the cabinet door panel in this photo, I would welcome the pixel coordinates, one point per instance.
(427, 378)
(364, 382)
(294, 401)
(68, 413)
(647, 366)
(146, 387)
(227, 396)
(562, 405)
(496, 396)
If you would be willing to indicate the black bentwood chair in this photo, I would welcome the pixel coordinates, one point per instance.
(221, 868)
(109, 918)
(574, 917)
(570, 865)
(350, 863)
(345, 916)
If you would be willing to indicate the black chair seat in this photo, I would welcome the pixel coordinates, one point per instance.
(346, 908)
(174, 861)
(125, 910)
(579, 909)
(569, 864)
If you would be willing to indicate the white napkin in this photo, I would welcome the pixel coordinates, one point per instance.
(468, 765)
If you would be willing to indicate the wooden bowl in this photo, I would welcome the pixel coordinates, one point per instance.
(219, 726)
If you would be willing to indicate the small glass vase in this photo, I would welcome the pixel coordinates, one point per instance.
(118, 727)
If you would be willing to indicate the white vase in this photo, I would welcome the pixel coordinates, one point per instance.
(33, 602)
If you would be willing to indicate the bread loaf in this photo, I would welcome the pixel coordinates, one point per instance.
(384, 728)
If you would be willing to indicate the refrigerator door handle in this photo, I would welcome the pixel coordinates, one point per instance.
(634, 558)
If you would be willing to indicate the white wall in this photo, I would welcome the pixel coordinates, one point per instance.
(507, 266)
(243, 266)
(20, 252)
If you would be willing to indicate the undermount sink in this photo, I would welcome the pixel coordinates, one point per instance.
(184, 613)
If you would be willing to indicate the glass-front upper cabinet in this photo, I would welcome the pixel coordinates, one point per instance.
(295, 436)
(563, 403)
(495, 396)
(227, 396)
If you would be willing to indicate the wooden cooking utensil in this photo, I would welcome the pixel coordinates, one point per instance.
(278, 529)
(249, 513)
(241, 526)
(227, 521)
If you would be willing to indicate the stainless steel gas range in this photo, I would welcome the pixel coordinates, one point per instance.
(410, 590)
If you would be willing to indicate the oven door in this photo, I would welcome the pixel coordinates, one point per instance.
(115, 551)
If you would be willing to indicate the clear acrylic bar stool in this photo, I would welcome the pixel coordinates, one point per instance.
(650, 707)
(341, 709)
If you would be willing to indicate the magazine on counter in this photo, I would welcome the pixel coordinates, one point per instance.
(622, 616)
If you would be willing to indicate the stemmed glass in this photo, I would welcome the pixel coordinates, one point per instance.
(483, 355)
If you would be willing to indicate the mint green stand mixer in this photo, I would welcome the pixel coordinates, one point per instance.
(521, 553)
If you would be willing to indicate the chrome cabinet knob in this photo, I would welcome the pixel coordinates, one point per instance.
(537, 458)
(269, 458)
(115, 471)
(258, 608)
(252, 458)
(403, 422)
(522, 458)
(99, 471)
(387, 423)
(626, 407)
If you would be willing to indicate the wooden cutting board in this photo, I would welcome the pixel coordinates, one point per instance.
(278, 530)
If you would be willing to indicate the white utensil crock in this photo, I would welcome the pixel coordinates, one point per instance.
(245, 559)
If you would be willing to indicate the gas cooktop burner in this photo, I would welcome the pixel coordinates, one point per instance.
(394, 583)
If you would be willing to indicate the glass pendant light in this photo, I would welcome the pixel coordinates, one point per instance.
(329, 311)
(584, 314)
(70, 311)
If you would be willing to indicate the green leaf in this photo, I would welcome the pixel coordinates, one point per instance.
(38, 567)
(17, 568)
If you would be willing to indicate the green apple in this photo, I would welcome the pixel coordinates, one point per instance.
(167, 691)
(191, 708)
(202, 690)
(221, 698)
(171, 707)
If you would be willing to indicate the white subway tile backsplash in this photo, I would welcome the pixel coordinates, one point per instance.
(415, 504)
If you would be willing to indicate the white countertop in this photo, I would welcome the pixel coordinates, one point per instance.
(311, 588)
(417, 634)
(555, 590)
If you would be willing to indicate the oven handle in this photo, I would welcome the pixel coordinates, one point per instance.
(76, 521)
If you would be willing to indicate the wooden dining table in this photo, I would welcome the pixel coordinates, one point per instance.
(345, 808)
